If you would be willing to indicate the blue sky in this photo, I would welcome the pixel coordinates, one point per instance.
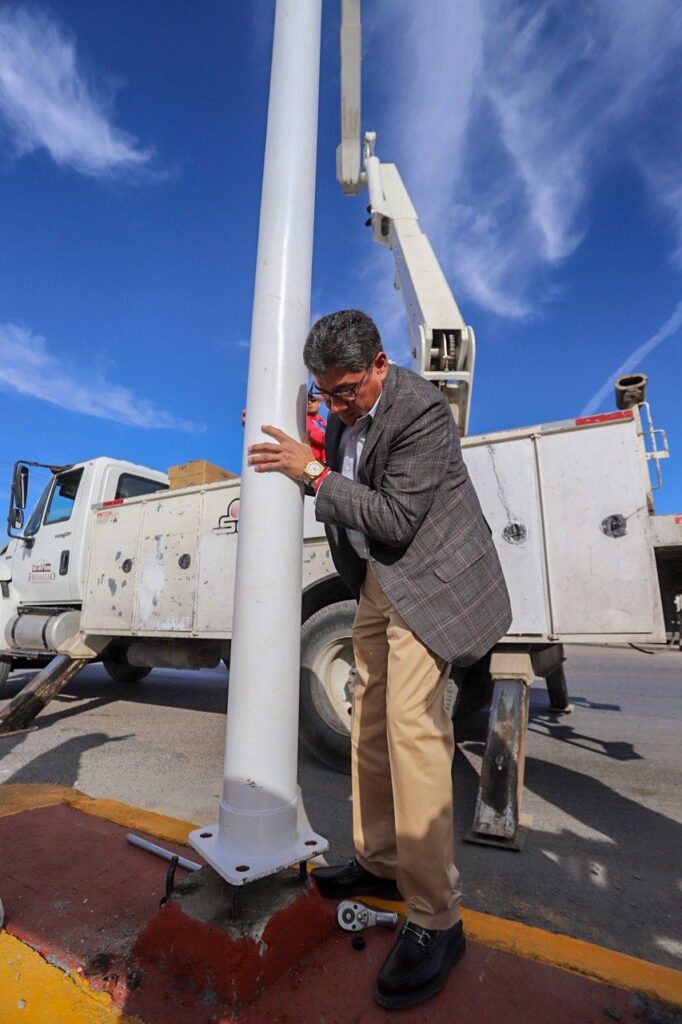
(541, 143)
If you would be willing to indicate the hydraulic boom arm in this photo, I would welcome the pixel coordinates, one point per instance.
(442, 346)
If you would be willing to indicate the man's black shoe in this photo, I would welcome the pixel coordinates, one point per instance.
(418, 965)
(351, 879)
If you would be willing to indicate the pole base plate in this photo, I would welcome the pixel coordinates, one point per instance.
(238, 867)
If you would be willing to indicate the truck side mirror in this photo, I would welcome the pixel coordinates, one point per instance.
(20, 487)
(17, 519)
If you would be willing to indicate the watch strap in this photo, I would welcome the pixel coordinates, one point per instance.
(323, 476)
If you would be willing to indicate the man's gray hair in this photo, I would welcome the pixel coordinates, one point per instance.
(348, 339)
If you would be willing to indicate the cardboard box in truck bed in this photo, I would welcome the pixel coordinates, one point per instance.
(198, 471)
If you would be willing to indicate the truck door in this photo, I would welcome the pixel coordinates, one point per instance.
(41, 569)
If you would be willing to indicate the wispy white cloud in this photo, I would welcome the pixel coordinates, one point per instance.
(430, 86)
(27, 367)
(664, 179)
(385, 305)
(635, 359)
(505, 115)
(46, 102)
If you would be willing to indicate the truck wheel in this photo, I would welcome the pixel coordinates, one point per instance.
(122, 672)
(5, 669)
(327, 670)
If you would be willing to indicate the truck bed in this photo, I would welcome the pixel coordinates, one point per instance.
(568, 504)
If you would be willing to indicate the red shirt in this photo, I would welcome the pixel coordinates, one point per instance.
(316, 427)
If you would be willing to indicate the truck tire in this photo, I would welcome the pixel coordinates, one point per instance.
(122, 672)
(327, 670)
(5, 669)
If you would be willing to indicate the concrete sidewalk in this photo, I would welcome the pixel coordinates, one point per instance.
(85, 940)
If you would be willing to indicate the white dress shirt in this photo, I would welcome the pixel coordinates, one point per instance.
(350, 451)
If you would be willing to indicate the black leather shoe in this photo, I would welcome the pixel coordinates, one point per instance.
(351, 879)
(417, 967)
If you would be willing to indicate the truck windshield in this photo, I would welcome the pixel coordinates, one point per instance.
(33, 525)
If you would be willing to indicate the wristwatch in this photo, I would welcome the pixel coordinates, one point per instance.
(313, 471)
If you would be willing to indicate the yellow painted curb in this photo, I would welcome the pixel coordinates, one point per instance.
(160, 825)
(618, 969)
(15, 797)
(627, 972)
(31, 795)
(32, 991)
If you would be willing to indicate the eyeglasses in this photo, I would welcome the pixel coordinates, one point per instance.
(345, 394)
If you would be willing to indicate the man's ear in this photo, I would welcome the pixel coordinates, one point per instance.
(381, 365)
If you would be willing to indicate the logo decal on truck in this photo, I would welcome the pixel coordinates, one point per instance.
(229, 523)
(41, 572)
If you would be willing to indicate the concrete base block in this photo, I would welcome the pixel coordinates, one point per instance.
(230, 944)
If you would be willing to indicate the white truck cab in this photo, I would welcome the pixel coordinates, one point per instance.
(42, 568)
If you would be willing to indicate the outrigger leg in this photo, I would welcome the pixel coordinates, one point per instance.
(30, 701)
(497, 818)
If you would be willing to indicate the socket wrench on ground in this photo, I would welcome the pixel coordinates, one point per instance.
(353, 917)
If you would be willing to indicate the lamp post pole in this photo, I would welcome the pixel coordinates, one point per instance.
(257, 832)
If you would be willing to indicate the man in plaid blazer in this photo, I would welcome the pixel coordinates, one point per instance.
(407, 535)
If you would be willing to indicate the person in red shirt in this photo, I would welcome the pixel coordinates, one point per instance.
(315, 426)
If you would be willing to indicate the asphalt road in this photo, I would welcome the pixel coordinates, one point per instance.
(603, 861)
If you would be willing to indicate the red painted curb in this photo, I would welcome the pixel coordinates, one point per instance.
(179, 954)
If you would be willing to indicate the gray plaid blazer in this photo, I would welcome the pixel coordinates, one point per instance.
(430, 546)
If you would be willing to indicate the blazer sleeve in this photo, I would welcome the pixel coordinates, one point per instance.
(420, 456)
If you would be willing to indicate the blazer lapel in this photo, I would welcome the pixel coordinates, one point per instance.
(381, 417)
(332, 441)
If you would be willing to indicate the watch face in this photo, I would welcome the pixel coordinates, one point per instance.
(313, 470)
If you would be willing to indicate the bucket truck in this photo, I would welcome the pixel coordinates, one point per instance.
(570, 504)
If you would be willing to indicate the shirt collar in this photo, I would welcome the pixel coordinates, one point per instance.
(364, 421)
(374, 408)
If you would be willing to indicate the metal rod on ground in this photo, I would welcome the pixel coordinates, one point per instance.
(257, 832)
(160, 851)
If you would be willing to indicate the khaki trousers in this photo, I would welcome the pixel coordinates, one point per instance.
(402, 751)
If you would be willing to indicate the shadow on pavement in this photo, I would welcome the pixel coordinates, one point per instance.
(550, 724)
(611, 875)
(189, 691)
(60, 765)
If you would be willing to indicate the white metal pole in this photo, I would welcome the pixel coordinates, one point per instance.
(257, 833)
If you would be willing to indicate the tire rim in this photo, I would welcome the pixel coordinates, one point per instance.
(332, 672)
